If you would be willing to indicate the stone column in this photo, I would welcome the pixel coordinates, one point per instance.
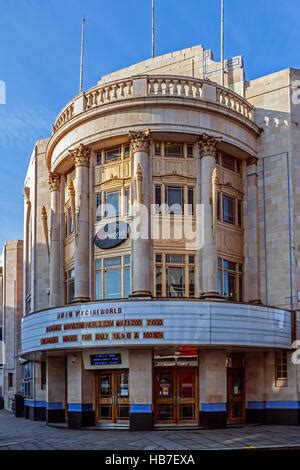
(141, 212)
(54, 185)
(251, 255)
(208, 151)
(81, 159)
(56, 390)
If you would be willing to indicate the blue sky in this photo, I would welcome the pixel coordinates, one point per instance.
(39, 60)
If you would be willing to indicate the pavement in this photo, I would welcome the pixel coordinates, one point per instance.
(22, 434)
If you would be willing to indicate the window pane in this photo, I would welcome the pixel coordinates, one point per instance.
(229, 285)
(98, 285)
(113, 154)
(113, 261)
(228, 162)
(127, 282)
(99, 158)
(98, 206)
(112, 284)
(191, 282)
(158, 278)
(157, 148)
(191, 200)
(157, 196)
(113, 204)
(175, 259)
(220, 289)
(71, 291)
(229, 265)
(190, 151)
(127, 201)
(228, 210)
(191, 259)
(127, 259)
(240, 288)
(239, 212)
(127, 151)
(175, 282)
(174, 199)
(158, 258)
(238, 166)
(173, 150)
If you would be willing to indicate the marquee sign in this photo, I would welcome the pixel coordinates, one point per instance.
(111, 235)
(155, 323)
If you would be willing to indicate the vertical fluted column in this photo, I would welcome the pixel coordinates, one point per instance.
(209, 267)
(54, 185)
(141, 211)
(81, 159)
(251, 235)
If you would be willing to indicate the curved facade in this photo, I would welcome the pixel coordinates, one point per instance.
(143, 289)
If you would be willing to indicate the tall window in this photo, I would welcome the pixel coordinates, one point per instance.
(10, 380)
(174, 275)
(174, 199)
(43, 375)
(113, 278)
(281, 370)
(69, 286)
(230, 280)
(98, 207)
(229, 209)
(112, 201)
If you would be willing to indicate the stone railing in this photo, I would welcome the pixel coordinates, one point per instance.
(155, 86)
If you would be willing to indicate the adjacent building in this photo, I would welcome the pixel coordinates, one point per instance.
(12, 308)
(161, 251)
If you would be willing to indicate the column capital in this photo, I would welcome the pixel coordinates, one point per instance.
(54, 181)
(208, 145)
(140, 141)
(81, 155)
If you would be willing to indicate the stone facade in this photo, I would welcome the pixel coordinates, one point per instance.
(159, 131)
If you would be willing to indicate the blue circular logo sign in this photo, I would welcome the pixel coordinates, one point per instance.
(111, 235)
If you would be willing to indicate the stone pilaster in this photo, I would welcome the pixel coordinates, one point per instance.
(81, 393)
(54, 185)
(251, 234)
(140, 390)
(141, 235)
(209, 269)
(81, 157)
(56, 390)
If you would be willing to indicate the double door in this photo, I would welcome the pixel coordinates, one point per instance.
(113, 397)
(176, 396)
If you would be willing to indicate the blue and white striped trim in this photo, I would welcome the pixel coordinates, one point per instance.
(80, 407)
(273, 405)
(213, 407)
(141, 408)
(35, 404)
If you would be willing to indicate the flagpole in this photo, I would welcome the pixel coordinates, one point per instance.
(153, 29)
(222, 42)
(81, 57)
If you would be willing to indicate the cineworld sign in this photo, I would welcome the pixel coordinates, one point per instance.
(111, 235)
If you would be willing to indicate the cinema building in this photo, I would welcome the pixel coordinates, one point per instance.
(157, 331)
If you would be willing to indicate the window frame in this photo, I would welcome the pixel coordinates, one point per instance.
(162, 265)
(281, 369)
(238, 274)
(102, 268)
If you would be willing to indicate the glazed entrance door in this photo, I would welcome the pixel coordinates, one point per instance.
(113, 397)
(236, 399)
(176, 396)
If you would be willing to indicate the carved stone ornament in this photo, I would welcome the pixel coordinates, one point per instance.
(208, 145)
(54, 181)
(81, 155)
(140, 141)
(139, 182)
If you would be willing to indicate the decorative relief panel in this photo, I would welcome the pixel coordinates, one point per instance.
(230, 241)
(110, 172)
(164, 166)
(230, 179)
